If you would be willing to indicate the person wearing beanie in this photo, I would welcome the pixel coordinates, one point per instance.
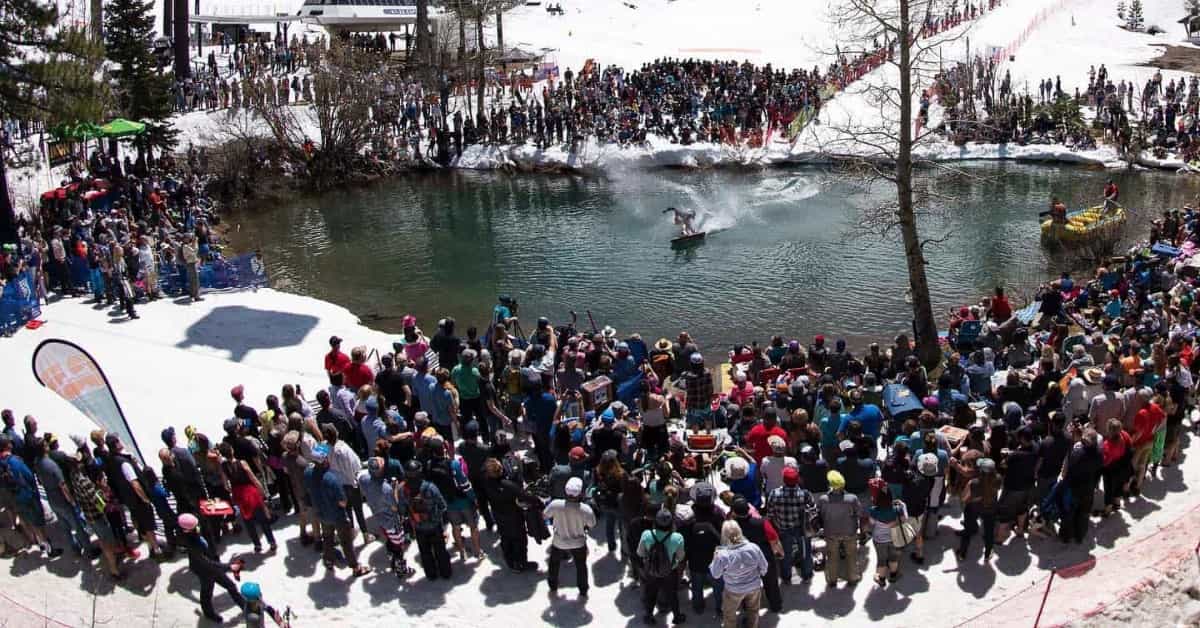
(841, 516)
(698, 389)
(787, 509)
(571, 519)
(761, 533)
(662, 552)
(205, 562)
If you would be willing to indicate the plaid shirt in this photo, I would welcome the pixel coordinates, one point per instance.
(785, 507)
(699, 390)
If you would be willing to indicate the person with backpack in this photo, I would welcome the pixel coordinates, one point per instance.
(426, 508)
(332, 505)
(509, 502)
(701, 537)
(450, 477)
(793, 512)
(128, 478)
(662, 552)
(571, 519)
(17, 480)
(474, 452)
(742, 566)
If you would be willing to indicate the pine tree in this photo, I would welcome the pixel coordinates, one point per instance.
(1136, 21)
(1192, 7)
(1121, 10)
(143, 93)
(48, 73)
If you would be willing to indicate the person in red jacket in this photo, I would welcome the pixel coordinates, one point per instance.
(335, 360)
(1001, 308)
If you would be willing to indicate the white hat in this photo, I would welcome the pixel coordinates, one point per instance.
(696, 358)
(846, 445)
(736, 468)
(574, 487)
(927, 464)
(776, 443)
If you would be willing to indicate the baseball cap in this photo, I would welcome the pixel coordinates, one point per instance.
(334, 340)
(777, 444)
(664, 519)
(791, 477)
(237, 391)
(408, 321)
(696, 358)
(703, 493)
(230, 424)
(371, 405)
(574, 487)
(577, 453)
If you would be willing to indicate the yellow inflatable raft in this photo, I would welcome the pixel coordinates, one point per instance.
(1087, 225)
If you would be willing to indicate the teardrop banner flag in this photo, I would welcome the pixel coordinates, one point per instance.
(68, 370)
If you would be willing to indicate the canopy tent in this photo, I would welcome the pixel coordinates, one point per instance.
(121, 127)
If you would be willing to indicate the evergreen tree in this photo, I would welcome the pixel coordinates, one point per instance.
(143, 93)
(1135, 21)
(1192, 7)
(47, 73)
(1121, 10)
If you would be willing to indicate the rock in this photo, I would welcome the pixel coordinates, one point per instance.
(1193, 590)
(1191, 613)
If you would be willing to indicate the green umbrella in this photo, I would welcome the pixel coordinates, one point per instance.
(123, 128)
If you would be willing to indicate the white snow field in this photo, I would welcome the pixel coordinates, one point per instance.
(175, 366)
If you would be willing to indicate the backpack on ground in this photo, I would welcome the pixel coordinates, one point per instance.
(658, 563)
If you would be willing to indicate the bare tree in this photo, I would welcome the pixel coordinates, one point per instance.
(346, 116)
(423, 56)
(878, 146)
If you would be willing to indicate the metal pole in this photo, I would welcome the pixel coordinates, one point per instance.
(1045, 595)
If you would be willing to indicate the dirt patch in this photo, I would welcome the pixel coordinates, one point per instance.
(1183, 58)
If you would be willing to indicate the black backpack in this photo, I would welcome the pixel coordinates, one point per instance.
(439, 472)
(658, 563)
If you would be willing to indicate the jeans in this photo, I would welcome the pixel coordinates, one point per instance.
(579, 556)
(790, 538)
(77, 532)
(971, 518)
(697, 580)
(731, 603)
(614, 526)
(259, 520)
(345, 537)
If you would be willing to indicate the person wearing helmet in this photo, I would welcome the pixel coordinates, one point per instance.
(205, 562)
(426, 509)
(257, 611)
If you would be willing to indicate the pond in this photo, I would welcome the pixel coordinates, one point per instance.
(782, 254)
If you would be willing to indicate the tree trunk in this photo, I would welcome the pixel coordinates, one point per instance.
(424, 50)
(97, 22)
(8, 220)
(924, 326)
(183, 64)
(500, 28)
(168, 17)
(462, 32)
(480, 51)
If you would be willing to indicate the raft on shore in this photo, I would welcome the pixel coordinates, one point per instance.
(1083, 226)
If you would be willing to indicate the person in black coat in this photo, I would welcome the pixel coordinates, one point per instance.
(206, 564)
(507, 498)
